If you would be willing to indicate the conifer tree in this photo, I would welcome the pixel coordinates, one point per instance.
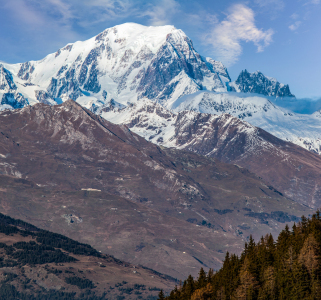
(189, 287)
(309, 256)
(161, 295)
(202, 279)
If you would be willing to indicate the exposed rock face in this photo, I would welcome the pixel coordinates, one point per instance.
(26, 69)
(177, 58)
(300, 129)
(260, 84)
(135, 200)
(131, 62)
(6, 81)
(289, 168)
(15, 100)
(10, 98)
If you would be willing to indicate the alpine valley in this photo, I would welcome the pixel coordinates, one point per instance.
(134, 143)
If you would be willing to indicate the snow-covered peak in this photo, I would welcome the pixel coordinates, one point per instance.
(126, 62)
(121, 43)
(218, 67)
(136, 36)
(237, 104)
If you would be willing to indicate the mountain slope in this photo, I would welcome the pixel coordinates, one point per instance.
(288, 167)
(128, 197)
(17, 93)
(300, 129)
(45, 265)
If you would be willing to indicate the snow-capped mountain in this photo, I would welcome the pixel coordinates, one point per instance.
(260, 84)
(126, 62)
(130, 62)
(291, 169)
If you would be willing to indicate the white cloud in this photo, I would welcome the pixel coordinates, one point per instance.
(239, 26)
(21, 11)
(60, 7)
(295, 26)
(161, 14)
(294, 16)
(39, 21)
(110, 8)
(40, 13)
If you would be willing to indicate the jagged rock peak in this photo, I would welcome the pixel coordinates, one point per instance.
(258, 83)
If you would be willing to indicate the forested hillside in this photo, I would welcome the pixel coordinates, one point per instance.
(286, 268)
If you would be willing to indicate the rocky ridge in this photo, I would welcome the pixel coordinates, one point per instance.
(300, 129)
(130, 62)
(10, 97)
(260, 84)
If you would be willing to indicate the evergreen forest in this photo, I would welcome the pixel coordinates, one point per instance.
(286, 268)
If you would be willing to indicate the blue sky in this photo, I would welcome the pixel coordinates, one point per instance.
(281, 38)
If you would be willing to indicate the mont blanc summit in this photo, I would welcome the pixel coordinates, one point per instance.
(126, 62)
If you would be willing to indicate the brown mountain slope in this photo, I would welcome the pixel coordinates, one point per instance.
(119, 226)
(289, 168)
(170, 210)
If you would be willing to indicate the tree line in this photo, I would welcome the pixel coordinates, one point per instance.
(9, 225)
